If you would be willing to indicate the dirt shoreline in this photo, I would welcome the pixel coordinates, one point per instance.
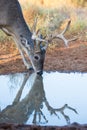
(71, 59)
(74, 126)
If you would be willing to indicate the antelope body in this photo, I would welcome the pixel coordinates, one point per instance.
(12, 21)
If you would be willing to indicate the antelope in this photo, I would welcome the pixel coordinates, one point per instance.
(13, 24)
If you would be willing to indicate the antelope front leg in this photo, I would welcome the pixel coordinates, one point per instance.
(26, 63)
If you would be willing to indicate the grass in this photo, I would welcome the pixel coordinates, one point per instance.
(79, 25)
(52, 16)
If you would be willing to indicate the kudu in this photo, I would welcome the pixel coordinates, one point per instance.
(13, 24)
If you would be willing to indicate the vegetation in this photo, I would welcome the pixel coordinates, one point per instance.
(79, 2)
(52, 16)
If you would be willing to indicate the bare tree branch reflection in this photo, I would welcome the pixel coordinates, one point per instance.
(20, 111)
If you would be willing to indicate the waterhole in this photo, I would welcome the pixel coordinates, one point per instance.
(43, 97)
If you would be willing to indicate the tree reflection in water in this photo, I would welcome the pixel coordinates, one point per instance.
(21, 110)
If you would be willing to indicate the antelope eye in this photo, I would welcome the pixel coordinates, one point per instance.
(36, 57)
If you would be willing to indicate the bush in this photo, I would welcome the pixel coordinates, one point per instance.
(79, 2)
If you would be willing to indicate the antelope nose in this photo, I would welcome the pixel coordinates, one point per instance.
(40, 72)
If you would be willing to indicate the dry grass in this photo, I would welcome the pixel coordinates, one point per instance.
(55, 3)
(52, 15)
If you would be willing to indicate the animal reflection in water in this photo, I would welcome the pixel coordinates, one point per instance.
(21, 110)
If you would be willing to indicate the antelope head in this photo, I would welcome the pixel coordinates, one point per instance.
(38, 57)
(36, 54)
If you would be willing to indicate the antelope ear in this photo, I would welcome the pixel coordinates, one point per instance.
(24, 41)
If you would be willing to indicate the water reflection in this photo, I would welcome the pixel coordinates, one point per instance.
(35, 102)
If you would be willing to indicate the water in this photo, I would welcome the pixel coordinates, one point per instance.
(58, 89)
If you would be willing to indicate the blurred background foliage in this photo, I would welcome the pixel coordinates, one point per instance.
(53, 15)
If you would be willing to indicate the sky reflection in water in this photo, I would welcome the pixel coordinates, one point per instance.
(60, 89)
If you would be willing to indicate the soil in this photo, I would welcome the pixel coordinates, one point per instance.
(73, 126)
(58, 58)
